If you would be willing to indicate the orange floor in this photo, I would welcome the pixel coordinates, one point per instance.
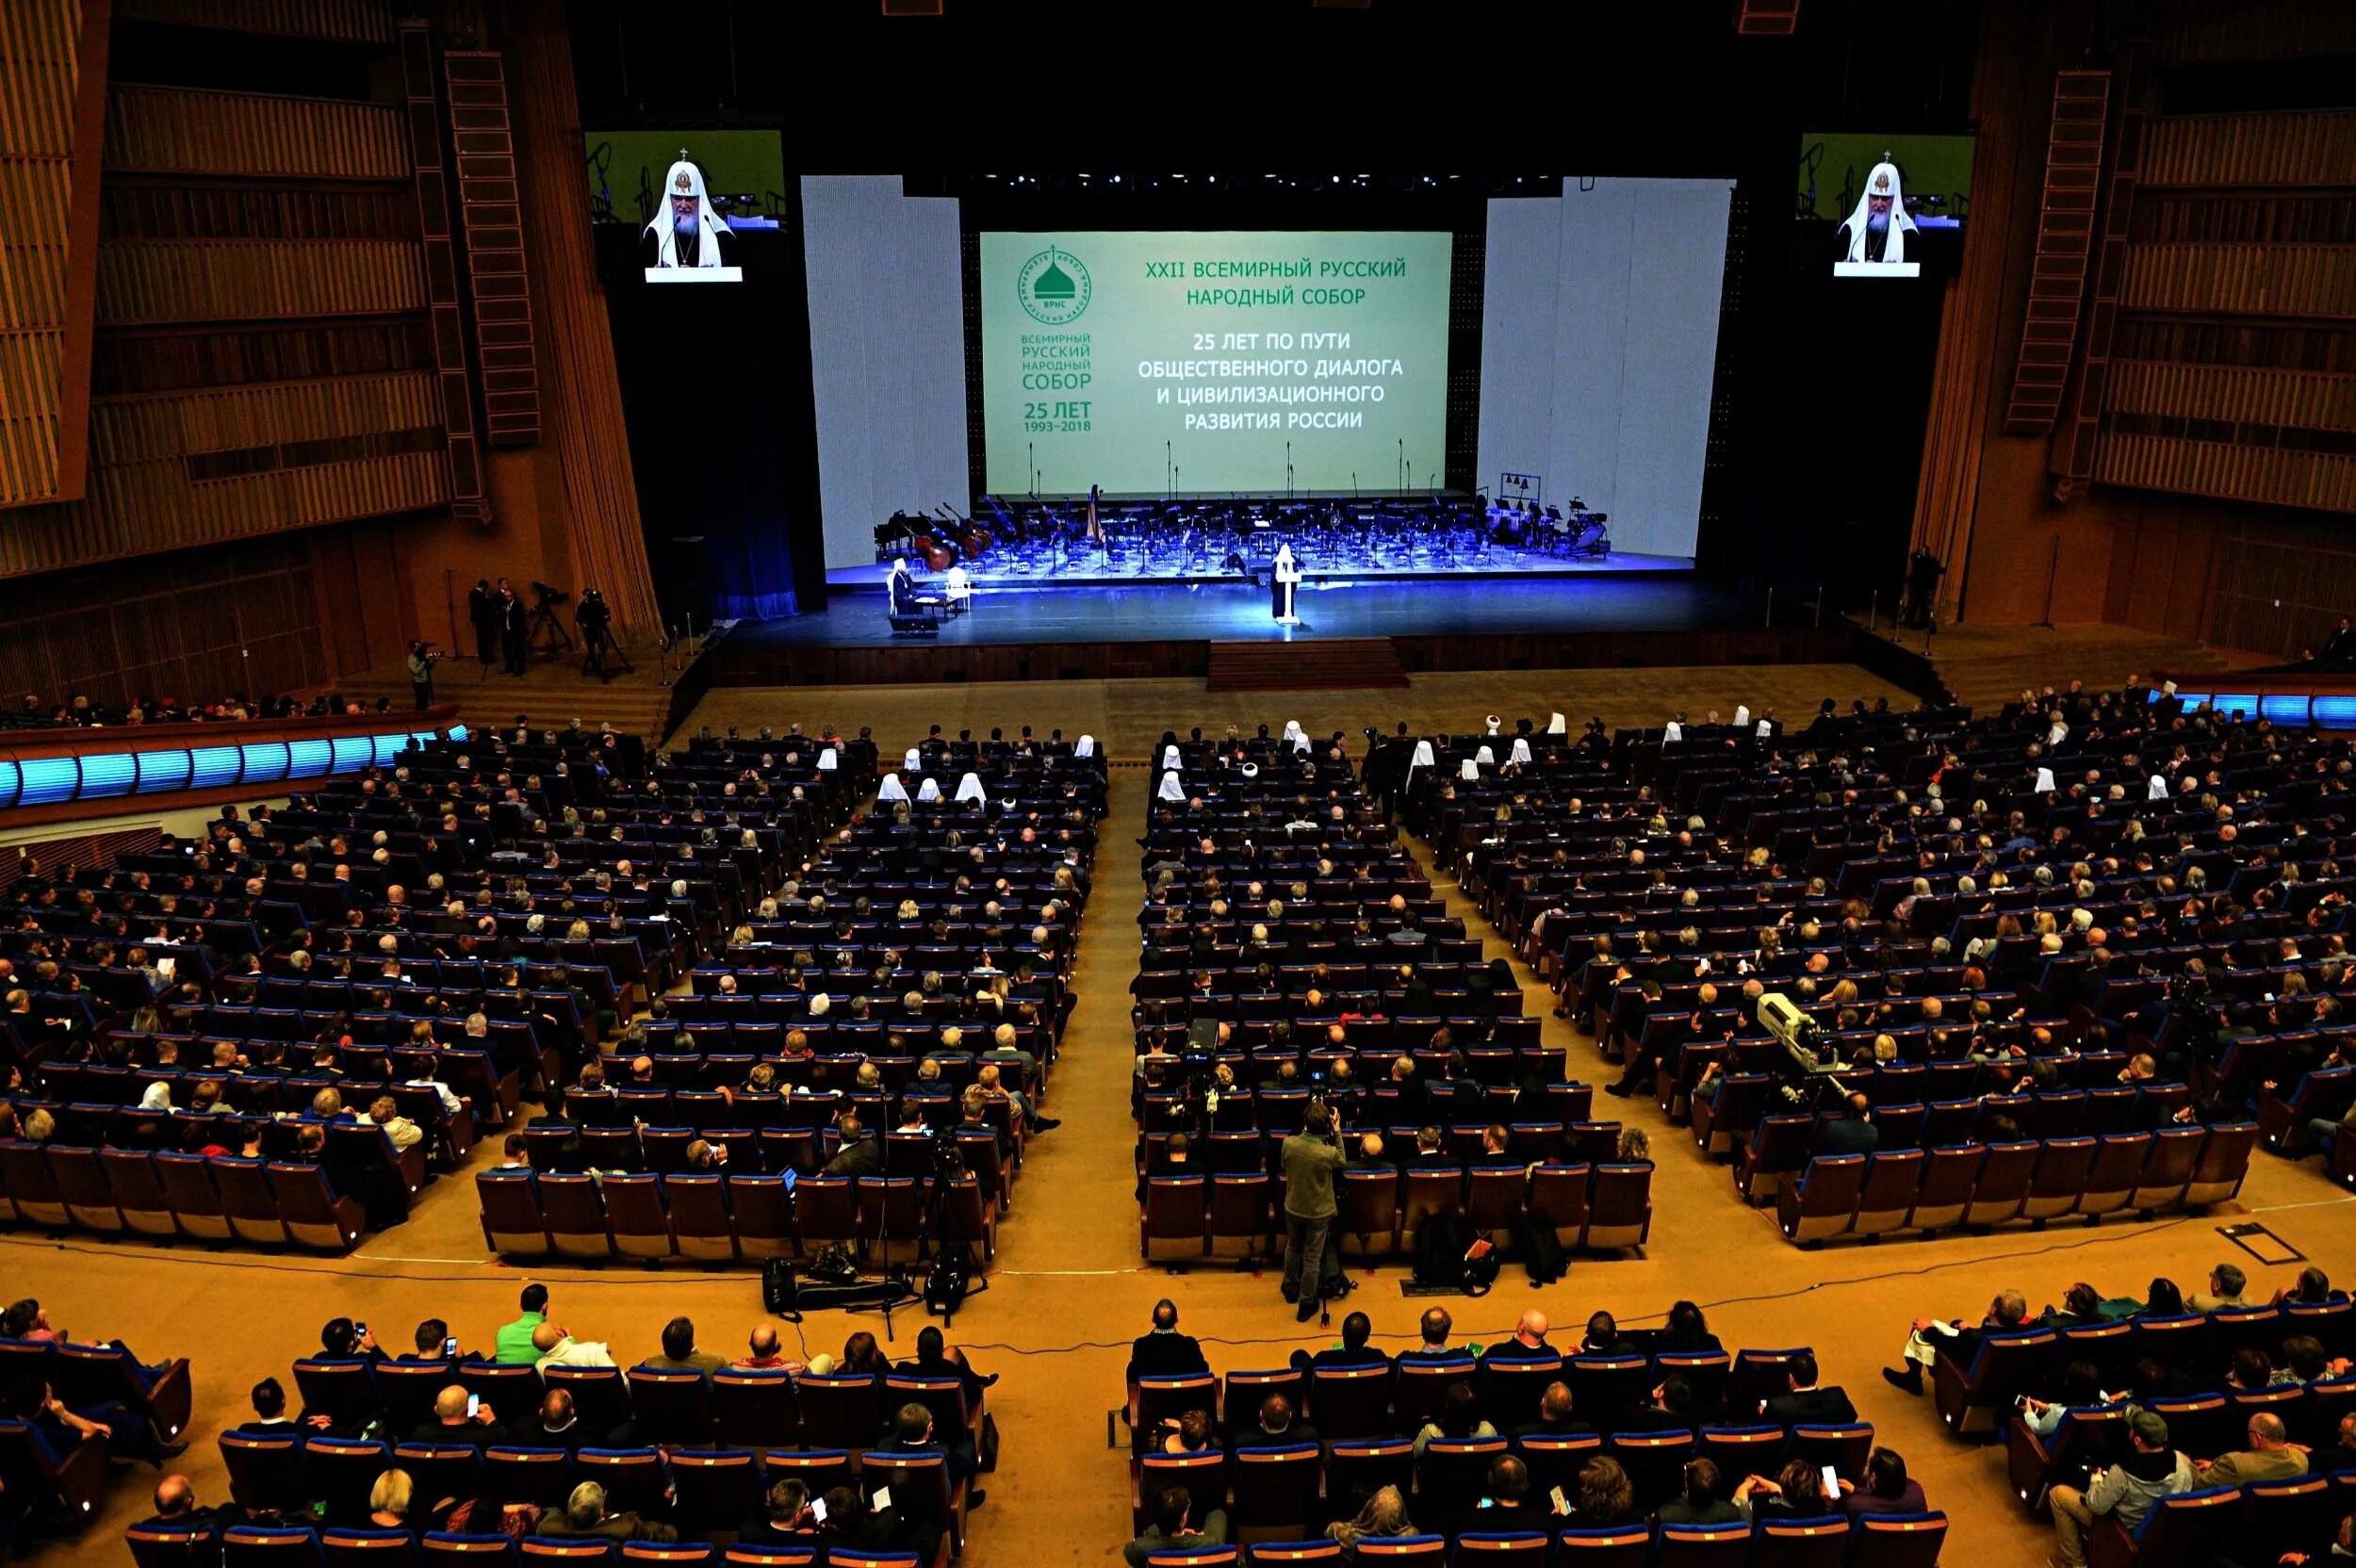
(1068, 1291)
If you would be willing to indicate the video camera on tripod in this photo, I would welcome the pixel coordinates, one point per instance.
(1807, 1069)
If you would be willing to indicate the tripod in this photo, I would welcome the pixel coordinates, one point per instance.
(597, 646)
(545, 630)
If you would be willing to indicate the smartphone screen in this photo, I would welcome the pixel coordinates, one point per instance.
(474, 1407)
(818, 1509)
(449, 1348)
(1832, 1483)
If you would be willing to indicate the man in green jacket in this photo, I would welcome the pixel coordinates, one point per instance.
(1311, 1158)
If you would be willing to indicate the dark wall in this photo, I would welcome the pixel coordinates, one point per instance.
(723, 435)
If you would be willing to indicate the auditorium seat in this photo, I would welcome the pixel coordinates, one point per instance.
(839, 1410)
(1239, 1223)
(2224, 1163)
(1820, 1200)
(1349, 1401)
(60, 1495)
(32, 1190)
(1697, 1547)
(754, 1405)
(1619, 1208)
(2167, 1170)
(2111, 1177)
(1655, 1462)
(2187, 1529)
(1779, 1542)
(1744, 1450)
(1176, 1218)
(634, 1478)
(2059, 1182)
(270, 1546)
(542, 1476)
(1204, 1476)
(511, 1389)
(1360, 1467)
(714, 1489)
(314, 1214)
(443, 1549)
(1514, 1549)
(1367, 1204)
(1971, 1399)
(154, 1545)
(1897, 1540)
(2003, 1184)
(82, 1183)
(635, 1217)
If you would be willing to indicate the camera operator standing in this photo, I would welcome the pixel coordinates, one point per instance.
(1311, 1158)
(595, 620)
(421, 661)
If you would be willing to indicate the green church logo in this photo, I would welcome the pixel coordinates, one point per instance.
(1053, 286)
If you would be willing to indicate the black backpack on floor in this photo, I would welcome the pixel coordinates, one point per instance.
(1440, 1252)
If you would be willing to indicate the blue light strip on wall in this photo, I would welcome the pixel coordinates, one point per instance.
(167, 770)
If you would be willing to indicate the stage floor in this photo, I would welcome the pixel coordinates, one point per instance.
(1228, 611)
(1500, 562)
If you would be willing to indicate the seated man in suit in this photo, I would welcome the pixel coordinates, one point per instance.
(1174, 1526)
(1670, 1409)
(2008, 1312)
(1850, 1133)
(555, 1425)
(1165, 1352)
(585, 1513)
(1806, 1404)
(1357, 1328)
(861, 1156)
(452, 1422)
(2270, 1457)
(1554, 1416)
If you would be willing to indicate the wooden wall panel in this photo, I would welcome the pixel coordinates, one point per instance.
(186, 131)
(52, 59)
(344, 21)
(175, 279)
(169, 627)
(2209, 32)
(2247, 280)
(2234, 393)
(2282, 580)
(137, 429)
(2281, 149)
(2323, 481)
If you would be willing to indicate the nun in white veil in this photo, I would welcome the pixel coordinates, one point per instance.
(828, 761)
(2156, 788)
(1486, 757)
(1557, 725)
(1087, 746)
(1170, 789)
(1469, 770)
(2044, 785)
(891, 789)
(1295, 736)
(913, 761)
(1520, 752)
(1422, 759)
(929, 789)
(1170, 757)
(970, 788)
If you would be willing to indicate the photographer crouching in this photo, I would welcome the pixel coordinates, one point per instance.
(1311, 1158)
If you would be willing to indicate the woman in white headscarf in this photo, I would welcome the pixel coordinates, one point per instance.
(970, 788)
(1294, 736)
(1169, 789)
(891, 789)
(929, 789)
(1087, 746)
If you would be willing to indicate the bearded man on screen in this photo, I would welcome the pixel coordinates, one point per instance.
(1877, 230)
(687, 232)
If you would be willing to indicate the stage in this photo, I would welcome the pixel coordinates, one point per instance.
(1038, 632)
(1502, 562)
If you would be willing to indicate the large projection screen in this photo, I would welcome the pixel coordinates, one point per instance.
(1211, 362)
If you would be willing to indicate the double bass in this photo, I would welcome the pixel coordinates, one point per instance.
(970, 535)
(937, 556)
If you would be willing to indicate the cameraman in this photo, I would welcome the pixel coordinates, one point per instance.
(1311, 1156)
(421, 661)
(595, 620)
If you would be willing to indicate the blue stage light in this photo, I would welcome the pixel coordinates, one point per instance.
(307, 759)
(2285, 707)
(163, 770)
(211, 767)
(353, 752)
(2230, 703)
(265, 761)
(2335, 712)
(107, 773)
(47, 780)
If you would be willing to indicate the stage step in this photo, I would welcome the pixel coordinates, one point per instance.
(1323, 665)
